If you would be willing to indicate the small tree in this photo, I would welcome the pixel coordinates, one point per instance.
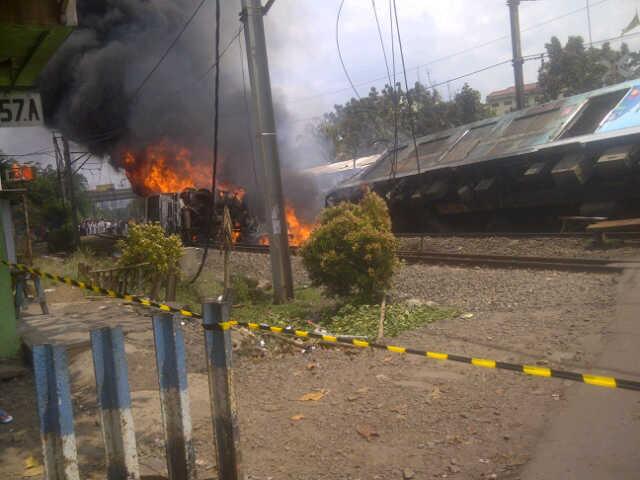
(352, 252)
(148, 243)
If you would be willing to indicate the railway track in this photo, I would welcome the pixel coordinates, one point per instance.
(616, 235)
(514, 261)
(495, 261)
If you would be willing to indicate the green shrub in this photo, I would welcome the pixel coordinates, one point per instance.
(246, 290)
(61, 239)
(148, 243)
(352, 253)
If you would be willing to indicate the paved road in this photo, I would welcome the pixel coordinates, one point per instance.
(597, 435)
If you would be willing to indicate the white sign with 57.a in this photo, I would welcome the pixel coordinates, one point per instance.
(20, 109)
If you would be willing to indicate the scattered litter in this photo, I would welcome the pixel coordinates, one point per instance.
(367, 431)
(297, 417)
(49, 290)
(408, 474)
(466, 315)
(313, 396)
(103, 307)
(435, 393)
(32, 467)
(483, 460)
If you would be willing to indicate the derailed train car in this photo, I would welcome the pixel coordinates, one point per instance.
(186, 214)
(573, 156)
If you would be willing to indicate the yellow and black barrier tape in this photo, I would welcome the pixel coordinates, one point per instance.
(102, 291)
(537, 371)
(534, 370)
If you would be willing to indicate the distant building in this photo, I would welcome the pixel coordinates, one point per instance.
(504, 101)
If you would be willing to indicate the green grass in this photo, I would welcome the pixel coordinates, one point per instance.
(310, 304)
(363, 319)
(68, 266)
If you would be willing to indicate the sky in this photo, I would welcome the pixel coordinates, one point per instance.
(308, 79)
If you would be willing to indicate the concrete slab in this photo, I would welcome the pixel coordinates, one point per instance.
(70, 323)
(596, 435)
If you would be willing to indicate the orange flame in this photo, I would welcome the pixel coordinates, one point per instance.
(165, 167)
(298, 230)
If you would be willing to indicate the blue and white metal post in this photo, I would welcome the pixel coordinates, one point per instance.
(174, 397)
(53, 398)
(223, 401)
(114, 399)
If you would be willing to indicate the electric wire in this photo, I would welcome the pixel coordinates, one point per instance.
(344, 67)
(394, 95)
(168, 49)
(113, 133)
(406, 84)
(449, 56)
(384, 50)
(211, 206)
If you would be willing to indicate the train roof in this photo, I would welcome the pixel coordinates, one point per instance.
(595, 116)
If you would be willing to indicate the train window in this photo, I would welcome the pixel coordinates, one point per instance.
(428, 152)
(384, 166)
(593, 113)
(463, 148)
(531, 123)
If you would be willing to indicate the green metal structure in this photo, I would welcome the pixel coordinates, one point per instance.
(9, 340)
(30, 33)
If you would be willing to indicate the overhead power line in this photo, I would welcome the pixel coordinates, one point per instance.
(168, 49)
(111, 134)
(344, 67)
(211, 206)
(451, 55)
(406, 85)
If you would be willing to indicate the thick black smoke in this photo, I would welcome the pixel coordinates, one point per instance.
(89, 89)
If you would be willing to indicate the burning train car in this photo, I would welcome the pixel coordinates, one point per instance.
(573, 156)
(189, 215)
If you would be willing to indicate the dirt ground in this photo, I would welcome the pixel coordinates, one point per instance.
(381, 415)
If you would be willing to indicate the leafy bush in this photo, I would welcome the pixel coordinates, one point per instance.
(148, 243)
(352, 252)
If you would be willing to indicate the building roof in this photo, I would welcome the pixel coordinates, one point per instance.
(529, 89)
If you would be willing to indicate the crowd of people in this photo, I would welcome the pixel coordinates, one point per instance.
(94, 227)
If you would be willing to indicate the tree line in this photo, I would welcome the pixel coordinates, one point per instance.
(369, 124)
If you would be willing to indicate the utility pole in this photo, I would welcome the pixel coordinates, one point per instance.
(589, 23)
(517, 52)
(72, 194)
(267, 151)
(59, 168)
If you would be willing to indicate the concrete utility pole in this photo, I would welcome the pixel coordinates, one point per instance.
(517, 52)
(59, 168)
(589, 23)
(267, 151)
(72, 194)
